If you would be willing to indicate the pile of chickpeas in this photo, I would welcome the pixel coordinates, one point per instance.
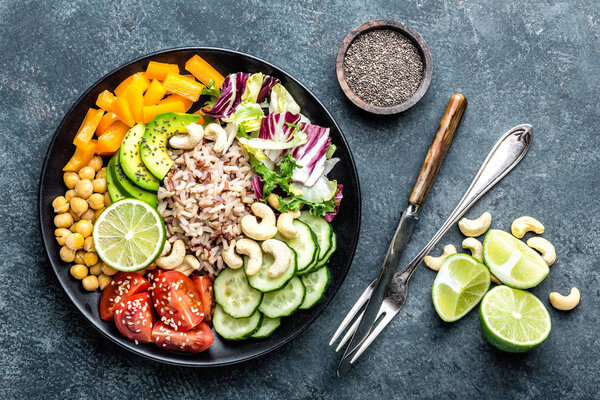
(76, 213)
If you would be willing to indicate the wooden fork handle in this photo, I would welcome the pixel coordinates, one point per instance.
(439, 148)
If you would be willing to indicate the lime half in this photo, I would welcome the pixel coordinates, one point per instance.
(129, 235)
(512, 261)
(513, 320)
(459, 285)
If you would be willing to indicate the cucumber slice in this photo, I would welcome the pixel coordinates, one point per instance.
(315, 283)
(328, 255)
(235, 328)
(322, 230)
(305, 245)
(283, 302)
(267, 327)
(263, 282)
(233, 293)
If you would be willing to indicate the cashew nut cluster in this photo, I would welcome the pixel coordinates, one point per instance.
(175, 257)
(565, 303)
(435, 263)
(545, 248)
(190, 264)
(251, 249)
(282, 256)
(215, 132)
(285, 224)
(475, 227)
(194, 136)
(522, 225)
(264, 230)
(230, 258)
(475, 247)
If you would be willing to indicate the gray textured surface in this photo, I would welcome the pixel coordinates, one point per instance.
(518, 61)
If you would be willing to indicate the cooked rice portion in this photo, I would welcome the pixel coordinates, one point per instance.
(203, 198)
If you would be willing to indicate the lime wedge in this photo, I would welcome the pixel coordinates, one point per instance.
(459, 286)
(512, 261)
(129, 235)
(513, 320)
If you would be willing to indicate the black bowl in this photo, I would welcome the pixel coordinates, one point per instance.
(346, 224)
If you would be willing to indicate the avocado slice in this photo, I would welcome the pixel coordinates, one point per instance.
(127, 187)
(114, 191)
(131, 160)
(154, 146)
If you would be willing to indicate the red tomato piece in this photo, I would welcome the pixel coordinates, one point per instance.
(123, 285)
(134, 319)
(204, 286)
(176, 300)
(193, 341)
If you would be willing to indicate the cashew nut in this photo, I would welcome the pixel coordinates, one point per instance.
(435, 263)
(252, 250)
(281, 254)
(495, 279)
(273, 200)
(232, 260)
(263, 231)
(475, 227)
(522, 225)
(544, 247)
(285, 224)
(475, 246)
(175, 258)
(194, 136)
(565, 303)
(166, 249)
(190, 264)
(214, 131)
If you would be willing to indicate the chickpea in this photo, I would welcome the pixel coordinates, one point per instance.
(70, 194)
(99, 185)
(74, 241)
(88, 244)
(101, 174)
(84, 227)
(79, 257)
(60, 204)
(104, 280)
(108, 270)
(88, 215)
(70, 179)
(90, 283)
(96, 163)
(63, 220)
(61, 235)
(87, 173)
(97, 213)
(79, 205)
(75, 219)
(66, 254)
(96, 201)
(84, 188)
(90, 258)
(107, 199)
(79, 271)
(96, 269)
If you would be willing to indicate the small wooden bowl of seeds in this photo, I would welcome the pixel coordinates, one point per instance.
(384, 67)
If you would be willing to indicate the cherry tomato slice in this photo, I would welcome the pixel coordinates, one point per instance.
(134, 319)
(193, 341)
(123, 285)
(176, 300)
(204, 286)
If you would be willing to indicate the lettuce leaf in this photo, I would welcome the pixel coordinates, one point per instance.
(282, 100)
(253, 88)
(311, 156)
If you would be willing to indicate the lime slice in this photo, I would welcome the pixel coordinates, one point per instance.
(129, 235)
(512, 261)
(459, 286)
(513, 320)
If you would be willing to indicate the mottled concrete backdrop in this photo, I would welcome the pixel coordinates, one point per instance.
(516, 61)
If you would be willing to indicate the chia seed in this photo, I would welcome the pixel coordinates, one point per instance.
(383, 67)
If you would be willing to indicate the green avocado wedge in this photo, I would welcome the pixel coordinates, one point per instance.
(153, 148)
(127, 187)
(114, 190)
(131, 160)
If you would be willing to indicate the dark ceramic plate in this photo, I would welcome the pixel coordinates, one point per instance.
(346, 224)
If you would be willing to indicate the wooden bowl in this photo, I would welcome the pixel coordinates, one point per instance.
(417, 40)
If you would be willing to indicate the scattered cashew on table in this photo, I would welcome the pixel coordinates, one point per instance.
(522, 225)
(475, 227)
(435, 263)
(565, 303)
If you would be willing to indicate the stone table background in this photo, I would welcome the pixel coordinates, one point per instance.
(516, 61)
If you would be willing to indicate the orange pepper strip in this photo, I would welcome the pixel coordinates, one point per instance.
(111, 140)
(105, 122)
(158, 70)
(201, 119)
(187, 104)
(138, 80)
(135, 98)
(155, 92)
(183, 86)
(88, 127)
(82, 156)
(105, 100)
(152, 111)
(123, 110)
(204, 72)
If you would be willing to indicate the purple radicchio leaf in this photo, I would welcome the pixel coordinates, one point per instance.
(231, 96)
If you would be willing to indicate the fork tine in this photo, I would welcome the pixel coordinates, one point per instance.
(380, 325)
(350, 331)
(362, 300)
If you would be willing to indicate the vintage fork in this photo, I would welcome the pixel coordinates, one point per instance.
(503, 157)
